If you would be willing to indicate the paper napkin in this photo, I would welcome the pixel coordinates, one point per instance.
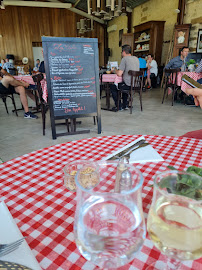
(9, 232)
(140, 155)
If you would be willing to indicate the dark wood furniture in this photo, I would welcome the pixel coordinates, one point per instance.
(11, 96)
(151, 44)
(128, 39)
(170, 81)
(44, 106)
(137, 78)
(181, 38)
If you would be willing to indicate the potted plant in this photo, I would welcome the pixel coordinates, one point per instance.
(191, 64)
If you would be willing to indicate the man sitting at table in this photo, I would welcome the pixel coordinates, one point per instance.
(128, 62)
(179, 61)
(8, 85)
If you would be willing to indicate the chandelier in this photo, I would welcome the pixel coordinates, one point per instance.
(84, 25)
(106, 9)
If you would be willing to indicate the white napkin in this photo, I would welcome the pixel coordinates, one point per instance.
(9, 232)
(140, 155)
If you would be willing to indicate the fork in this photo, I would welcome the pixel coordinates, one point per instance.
(8, 248)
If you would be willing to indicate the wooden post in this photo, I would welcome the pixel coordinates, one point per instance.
(180, 16)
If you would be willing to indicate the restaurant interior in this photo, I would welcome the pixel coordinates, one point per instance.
(161, 117)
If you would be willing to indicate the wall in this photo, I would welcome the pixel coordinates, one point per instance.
(193, 16)
(113, 37)
(158, 10)
(161, 10)
(20, 26)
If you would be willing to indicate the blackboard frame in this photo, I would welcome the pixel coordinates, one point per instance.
(94, 41)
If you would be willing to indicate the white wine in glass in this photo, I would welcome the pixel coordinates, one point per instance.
(175, 220)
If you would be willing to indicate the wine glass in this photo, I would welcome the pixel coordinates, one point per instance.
(175, 218)
(109, 227)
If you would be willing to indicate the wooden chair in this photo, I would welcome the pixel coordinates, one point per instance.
(137, 78)
(170, 81)
(44, 106)
(11, 96)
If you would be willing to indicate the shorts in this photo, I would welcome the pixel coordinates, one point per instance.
(4, 90)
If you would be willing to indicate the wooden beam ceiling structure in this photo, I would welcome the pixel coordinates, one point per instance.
(52, 4)
(76, 6)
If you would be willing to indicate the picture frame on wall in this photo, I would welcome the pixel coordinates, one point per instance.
(181, 38)
(199, 42)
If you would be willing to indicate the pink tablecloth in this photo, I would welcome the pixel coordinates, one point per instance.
(28, 79)
(32, 187)
(111, 78)
(193, 75)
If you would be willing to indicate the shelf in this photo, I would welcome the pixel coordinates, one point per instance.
(141, 50)
(140, 41)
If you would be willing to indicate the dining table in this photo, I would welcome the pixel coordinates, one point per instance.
(32, 187)
(28, 79)
(193, 75)
(106, 80)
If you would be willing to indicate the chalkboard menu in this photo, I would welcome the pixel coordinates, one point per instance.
(72, 73)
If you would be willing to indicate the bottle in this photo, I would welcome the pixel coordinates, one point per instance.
(126, 181)
(108, 66)
(120, 168)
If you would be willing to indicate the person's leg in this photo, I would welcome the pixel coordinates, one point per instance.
(29, 93)
(123, 86)
(153, 79)
(114, 92)
(9, 80)
(148, 78)
(23, 97)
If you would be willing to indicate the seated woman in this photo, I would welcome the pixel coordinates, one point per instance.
(152, 72)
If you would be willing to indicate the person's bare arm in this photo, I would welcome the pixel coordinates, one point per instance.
(4, 72)
(148, 65)
(197, 94)
(119, 72)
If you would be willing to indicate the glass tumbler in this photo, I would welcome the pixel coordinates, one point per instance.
(71, 169)
(109, 227)
(175, 218)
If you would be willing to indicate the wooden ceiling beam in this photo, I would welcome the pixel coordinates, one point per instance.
(37, 4)
(76, 3)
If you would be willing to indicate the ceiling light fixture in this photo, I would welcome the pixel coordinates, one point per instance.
(106, 9)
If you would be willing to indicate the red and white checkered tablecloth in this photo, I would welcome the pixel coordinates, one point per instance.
(193, 75)
(32, 187)
(111, 78)
(29, 80)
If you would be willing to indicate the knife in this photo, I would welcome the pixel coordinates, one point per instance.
(129, 149)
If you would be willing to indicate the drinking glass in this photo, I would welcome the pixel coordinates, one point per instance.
(71, 169)
(109, 227)
(175, 220)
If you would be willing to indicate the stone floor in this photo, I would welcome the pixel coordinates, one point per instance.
(19, 136)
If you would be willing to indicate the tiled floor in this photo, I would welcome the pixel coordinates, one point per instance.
(19, 136)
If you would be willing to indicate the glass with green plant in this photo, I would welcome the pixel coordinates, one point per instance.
(191, 65)
(175, 218)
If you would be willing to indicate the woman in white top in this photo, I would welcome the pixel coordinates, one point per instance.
(152, 71)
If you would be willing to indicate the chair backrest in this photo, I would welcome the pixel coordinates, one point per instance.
(12, 71)
(172, 70)
(143, 69)
(172, 73)
(37, 79)
(136, 78)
